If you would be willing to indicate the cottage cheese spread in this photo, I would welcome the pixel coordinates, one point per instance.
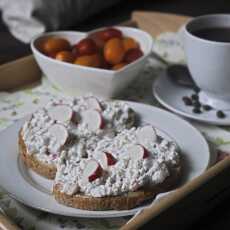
(39, 141)
(127, 174)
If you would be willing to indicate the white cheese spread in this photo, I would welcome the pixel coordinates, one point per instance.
(36, 134)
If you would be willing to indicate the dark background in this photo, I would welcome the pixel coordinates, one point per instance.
(10, 49)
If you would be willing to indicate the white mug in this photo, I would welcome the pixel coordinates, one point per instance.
(209, 61)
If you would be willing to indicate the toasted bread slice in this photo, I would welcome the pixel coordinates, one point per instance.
(46, 170)
(122, 202)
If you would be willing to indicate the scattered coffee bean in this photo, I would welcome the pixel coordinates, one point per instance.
(196, 110)
(195, 97)
(196, 89)
(187, 101)
(220, 114)
(207, 107)
(196, 104)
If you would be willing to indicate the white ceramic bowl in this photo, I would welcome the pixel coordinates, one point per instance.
(78, 80)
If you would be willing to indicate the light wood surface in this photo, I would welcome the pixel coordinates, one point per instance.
(19, 73)
(6, 224)
(156, 23)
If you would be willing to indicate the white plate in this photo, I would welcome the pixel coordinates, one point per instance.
(170, 94)
(34, 191)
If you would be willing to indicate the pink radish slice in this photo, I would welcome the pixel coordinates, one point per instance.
(75, 117)
(93, 103)
(92, 171)
(54, 156)
(146, 134)
(106, 159)
(61, 113)
(60, 133)
(92, 119)
(137, 152)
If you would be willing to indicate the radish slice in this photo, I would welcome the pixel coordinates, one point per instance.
(61, 113)
(137, 152)
(92, 119)
(60, 133)
(93, 103)
(146, 134)
(106, 159)
(92, 171)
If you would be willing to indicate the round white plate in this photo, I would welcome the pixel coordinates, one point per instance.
(170, 94)
(33, 190)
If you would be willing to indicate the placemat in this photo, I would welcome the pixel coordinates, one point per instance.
(16, 105)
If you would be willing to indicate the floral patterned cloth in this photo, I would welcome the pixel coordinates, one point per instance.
(14, 106)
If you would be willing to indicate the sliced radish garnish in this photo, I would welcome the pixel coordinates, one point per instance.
(93, 103)
(137, 152)
(92, 119)
(54, 156)
(61, 113)
(146, 134)
(92, 171)
(75, 117)
(106, 159)
(60, 133)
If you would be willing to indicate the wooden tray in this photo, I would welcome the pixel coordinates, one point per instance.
(196, 197)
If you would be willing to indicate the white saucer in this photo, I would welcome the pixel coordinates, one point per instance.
(170, 94)
(35, 191)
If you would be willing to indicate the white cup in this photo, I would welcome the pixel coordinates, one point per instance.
(209, 61)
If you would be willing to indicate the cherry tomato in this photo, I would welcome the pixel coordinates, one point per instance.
(85, 47)
(53, 45)
(130, 43)
(65, 56)
(96, 37)
(132, 55)
(119, 66)
(109, 33)
(114, 51)
(52, 55)
(88, 60)
(104, 64)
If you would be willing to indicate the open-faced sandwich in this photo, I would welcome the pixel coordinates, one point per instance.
(98, 159)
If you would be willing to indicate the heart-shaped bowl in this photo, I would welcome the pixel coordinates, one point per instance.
(78, 80)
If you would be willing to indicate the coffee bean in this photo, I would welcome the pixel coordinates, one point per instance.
(196, 89)
(196, 104)
(207, 107)
(196, 110)
(187, 101)
(220, 114)
(195, 97)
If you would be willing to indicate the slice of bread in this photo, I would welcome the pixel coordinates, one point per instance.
(122, 202)
(46, 170)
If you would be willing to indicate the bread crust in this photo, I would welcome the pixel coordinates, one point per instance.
(121, 202)
(46, 170)
(81, 201)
